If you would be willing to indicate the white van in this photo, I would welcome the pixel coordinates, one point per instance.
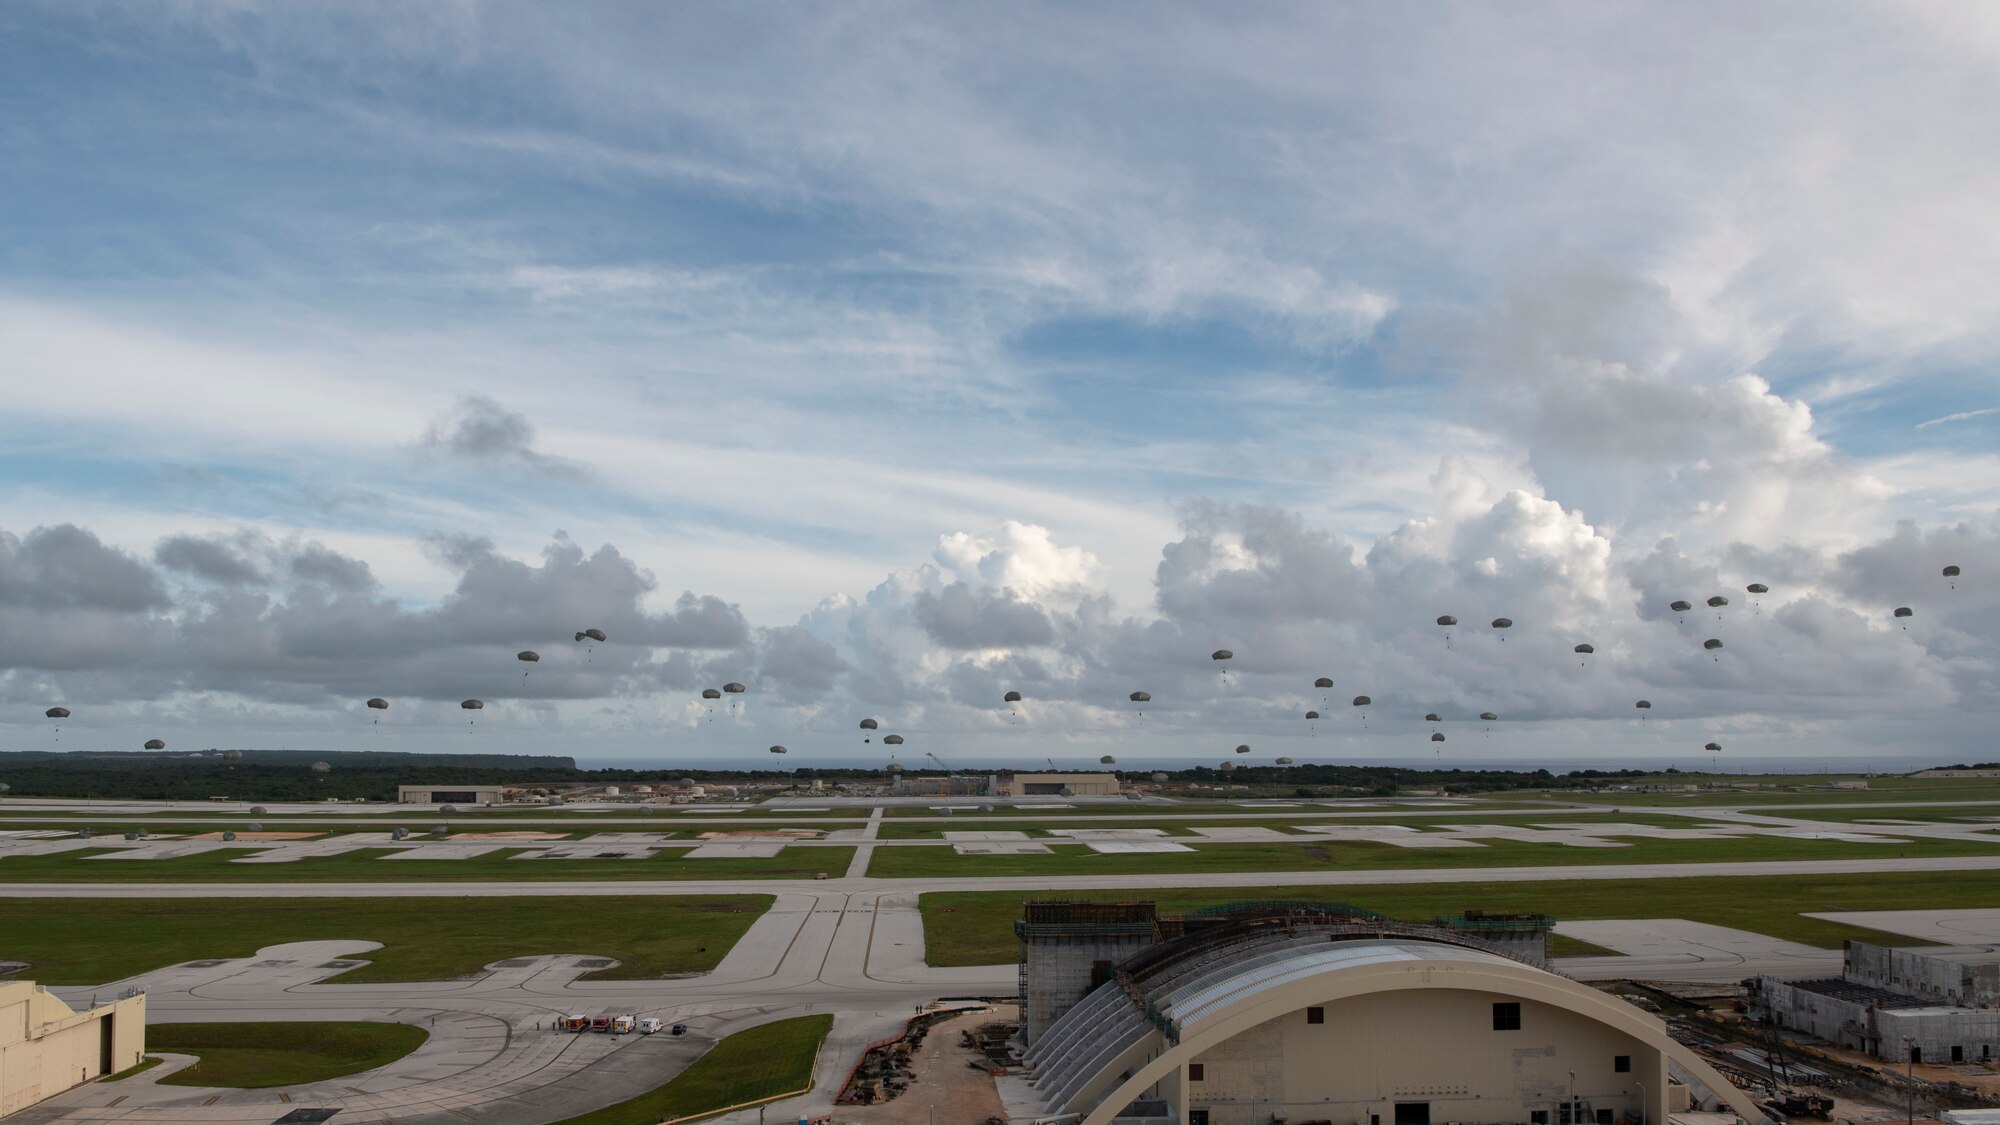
(649, 1025)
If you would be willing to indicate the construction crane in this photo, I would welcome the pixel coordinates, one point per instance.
(938, 760)
(1052, 765)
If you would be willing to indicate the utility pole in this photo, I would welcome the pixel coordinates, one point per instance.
(1910, 1080)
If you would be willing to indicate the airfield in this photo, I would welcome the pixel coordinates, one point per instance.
(869, 910)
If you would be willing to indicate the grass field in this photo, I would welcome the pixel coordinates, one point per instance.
(367, 865)
(255, 1056)
(976, 927)
(919, 862)
(1281, 821)
(764, 1062)
(96, 941)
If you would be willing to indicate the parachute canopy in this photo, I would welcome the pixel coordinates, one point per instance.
(1222, 654)
(1586, 649)
(1951, 572)
(593, 634)
(232, 755)
(1107, 760)
(1142, 697)
(870, 724)
(472, 705)
(1312, 714)
(893, 740)
(1503, 623)
(1713, 746)
(894, 767)
(1011, 697)
(1711, 644)
(155, 744)
(1437, 736)
(1243, 749)
(1489, 716)
(710, 693)
(1644, 705)
(528, 655)
(378, 704)
(734, 688)
(1904, 611)
(1758, 588)
(1284, 761)
(1447, 619)
(1681, 607)
(321, 767)
(1717, 602)
(1323, 682)
(777, 750)
(1362, 701)
(1433, 717)
(57, 713)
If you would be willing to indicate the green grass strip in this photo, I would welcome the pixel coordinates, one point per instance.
(97, 941)
(976, 927)
(256, 1056)
(766, 1061)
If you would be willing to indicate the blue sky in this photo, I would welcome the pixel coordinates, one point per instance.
(951, 348)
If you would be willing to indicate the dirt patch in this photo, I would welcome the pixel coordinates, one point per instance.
(764, 834)
(945, 1076)
(258, 836)
(509, 835)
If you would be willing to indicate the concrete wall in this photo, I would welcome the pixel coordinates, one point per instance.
(1845, 1022)
(1058, 972)
(46, 1047)
(1079, 784)
(1924, 977)
(1435, 1046)
(1974, 1032)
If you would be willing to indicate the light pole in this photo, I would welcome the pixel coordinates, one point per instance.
(1910, 1080)
(1642, 1102)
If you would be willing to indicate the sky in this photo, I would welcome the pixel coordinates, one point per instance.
(885, 358)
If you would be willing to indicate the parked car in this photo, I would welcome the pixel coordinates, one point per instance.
(680, 1029)
(650, 1024)
(601, 1023)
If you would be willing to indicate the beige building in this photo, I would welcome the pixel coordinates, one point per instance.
(46, 1047)
(1304, 1024)
(1059, 785)
(450, 794)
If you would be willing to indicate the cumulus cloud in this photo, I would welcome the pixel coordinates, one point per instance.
(480, 430)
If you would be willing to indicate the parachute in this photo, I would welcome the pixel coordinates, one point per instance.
(1323, 682)
(1503, 623)
(1011, 697)
(1107, 760)
(1758, 588)
(778, 750)
(1243, 749)
(1312, 714)
(57, 713)
(1583, 650)
(1904, 611)
(1489, 716)
(710, 693)
(1437, 736)
(1222, 654)
(1681, 606)
(1284, 761)
(870, 724)
(894, 767)
(1713, 747)
(1227, 767)
(1717, 602)
(734, 688)
(1446, 622)
(893, 740)
(378, 704)
(155, 744)
(593, 634)
(1711, 644)
(232, 755)
(1362, 701)
(1951, 572)
(1433, 717)
(528, 656)
(1644, 705)
(1159, 777)
(321, 768)
(472, 705)
(1142, 697)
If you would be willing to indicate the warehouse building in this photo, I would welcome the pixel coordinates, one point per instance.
(1058, 785)
(450, 794)
(47, 1047)
(1893, 1004)
(1303, 1013)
